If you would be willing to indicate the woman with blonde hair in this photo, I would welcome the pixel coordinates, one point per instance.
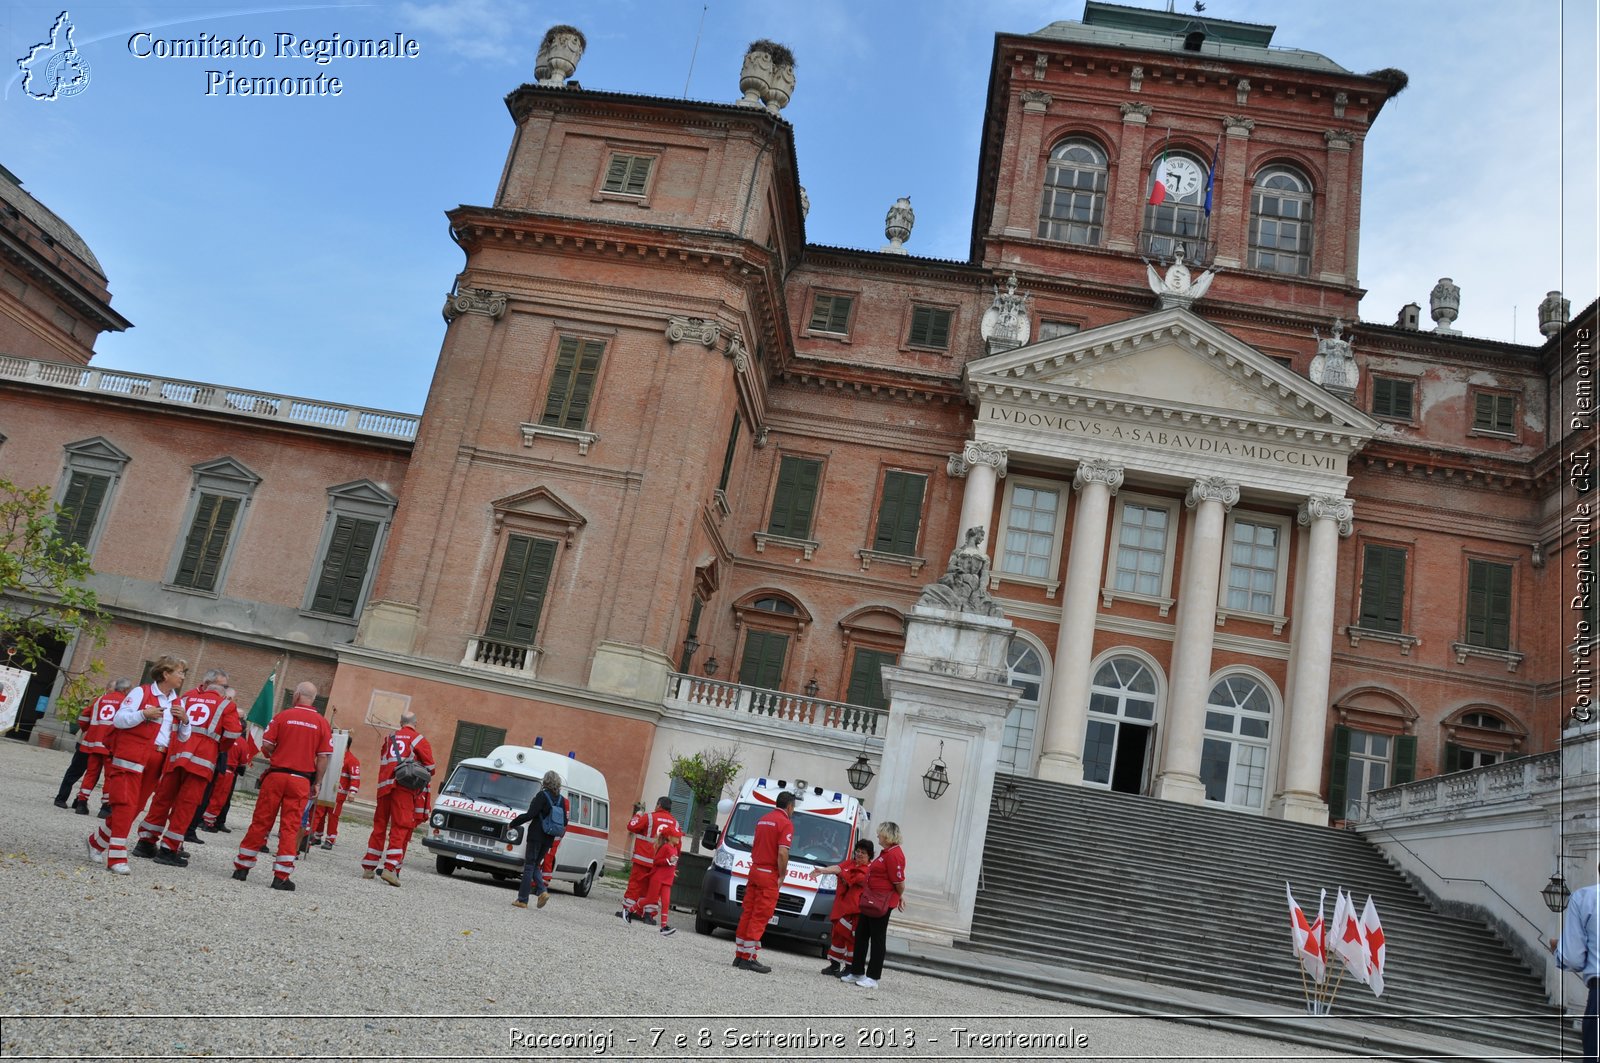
(884, 892)
(547, 820)
(137, 749)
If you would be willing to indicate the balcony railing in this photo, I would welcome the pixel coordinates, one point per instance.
(1197, 250)
(501, 656)
(235, 402)
(1495, 784)
(833, 717)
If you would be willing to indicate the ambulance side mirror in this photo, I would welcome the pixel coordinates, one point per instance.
(708, 840)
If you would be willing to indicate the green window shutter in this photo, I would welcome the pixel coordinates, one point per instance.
(866, 678)
(899, 513)
(1452, 757)
(762, 663)
(1405, 759)
(555, 403)
(1383, 581)
(572, 384)
(1339, 772)
(344, 566)
(616, 173)
(201, 560)
(727, 457)
(1391, 398)
(830, 313)
(695, 607)
(519, 592)
(795, 498)
(930, 327)
(80, 509)
(682, 799)
(1402, 398)
(638, 174)
(1489, 605)
(1505, 412)
(472, 740)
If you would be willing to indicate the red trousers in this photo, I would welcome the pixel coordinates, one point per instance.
(283, 796)
(325, 820)
(638, 882)
(392, 824)
(760, 901)
(658, 892)
(122, 790)
(176, 798)
(91, 775)
(150, 779)
(219, 796)
(842, 949)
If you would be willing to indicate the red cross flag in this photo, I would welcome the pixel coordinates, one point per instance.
(1346, 939)
(1377, 951)
(1307, 938)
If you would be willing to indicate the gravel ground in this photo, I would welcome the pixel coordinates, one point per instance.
(174, 963)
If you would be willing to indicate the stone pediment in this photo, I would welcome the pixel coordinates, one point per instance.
(540, 510)
(1165, 365)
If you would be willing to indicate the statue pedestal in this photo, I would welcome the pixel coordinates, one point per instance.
(948, 698)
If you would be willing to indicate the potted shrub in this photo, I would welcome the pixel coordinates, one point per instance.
(707, 774)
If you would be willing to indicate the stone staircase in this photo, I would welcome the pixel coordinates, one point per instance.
(1135, 888)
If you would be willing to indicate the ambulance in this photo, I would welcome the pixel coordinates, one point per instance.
(827, 824)
(470, 827)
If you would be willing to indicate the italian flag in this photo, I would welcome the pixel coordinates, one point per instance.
(1158, 189)
(261, 712)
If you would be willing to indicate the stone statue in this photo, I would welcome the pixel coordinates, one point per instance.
(1177, 288)
(1334, 367)
(962, 587)
(1005, 324)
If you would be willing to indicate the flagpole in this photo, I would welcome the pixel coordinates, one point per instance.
(1328, 1006)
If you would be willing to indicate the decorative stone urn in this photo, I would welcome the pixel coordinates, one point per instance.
(781, 89)
(558, 55)
(767, 77)
(1444, 302)
(897, 225)
(1553, 313)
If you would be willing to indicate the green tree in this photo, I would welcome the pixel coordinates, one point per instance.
(44, 592)
(707, 775)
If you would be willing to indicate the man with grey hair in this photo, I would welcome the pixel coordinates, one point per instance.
(213, 719)
(399, 810)
(89, 759)
(298, 744)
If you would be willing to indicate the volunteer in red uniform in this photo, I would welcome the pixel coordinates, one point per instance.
(645, 827)
(658, 890)
(886, 882)
(95, 742)
(137, 725)
(213, 719)
(325, 821)
(398, 809)
(298, 744)
(846, 913)
(769, 864)
(240, 755)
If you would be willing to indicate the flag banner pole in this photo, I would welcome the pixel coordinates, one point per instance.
(1327, 1006)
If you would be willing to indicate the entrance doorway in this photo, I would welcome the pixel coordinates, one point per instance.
(1130, 764)
(36, 699)
(1119, 740)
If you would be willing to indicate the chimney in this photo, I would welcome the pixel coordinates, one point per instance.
(1410, 317)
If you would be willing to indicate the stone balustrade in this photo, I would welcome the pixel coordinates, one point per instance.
(1478, 790)
(817, 715)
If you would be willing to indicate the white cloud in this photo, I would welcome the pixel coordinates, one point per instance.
(472, 29)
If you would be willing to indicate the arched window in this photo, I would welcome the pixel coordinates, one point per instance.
(768, 621)
(1025, 670)
(1280, 222)
(1122, 712)
(1478, 736)
(1074, 205)
(1233, 759)
(1180, 218)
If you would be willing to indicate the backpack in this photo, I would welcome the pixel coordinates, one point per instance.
(554, 821)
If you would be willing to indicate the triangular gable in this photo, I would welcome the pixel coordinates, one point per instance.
(225, 469)
(98, 448)
(364, 491)
(535, 506)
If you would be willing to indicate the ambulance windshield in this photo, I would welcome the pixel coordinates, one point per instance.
(493, 787)
(816, 840)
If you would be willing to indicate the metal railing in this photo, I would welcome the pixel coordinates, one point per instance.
(834, 717)
(1197, 250)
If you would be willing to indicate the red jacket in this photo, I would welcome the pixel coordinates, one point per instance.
(131, 747)
(350, 777)
(96, 723)
(646, 828)
(406, 742)
(213, 718)
(847, 902)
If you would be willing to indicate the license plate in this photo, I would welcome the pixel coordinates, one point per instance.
(463, 858)
(771, 921)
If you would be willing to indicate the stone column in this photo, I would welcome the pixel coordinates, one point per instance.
(1210, 498)
(1230, 202)
(1066, 718)
(1329, 519)
(982, 464)
(1128, 197)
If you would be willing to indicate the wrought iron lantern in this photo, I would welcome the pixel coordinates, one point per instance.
(691, 646)
(811, 687)
(1556, 894)
(860, 773)
(1007, 801)
(711, 664)
(936, 780)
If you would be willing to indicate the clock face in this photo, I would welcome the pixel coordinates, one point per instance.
(1183, 177)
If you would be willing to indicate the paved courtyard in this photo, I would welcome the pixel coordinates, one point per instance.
(172, 962)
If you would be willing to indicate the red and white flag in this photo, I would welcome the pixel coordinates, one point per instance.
(1346, 938)
(1158, 185)
(1307, 938)
(1377, 951)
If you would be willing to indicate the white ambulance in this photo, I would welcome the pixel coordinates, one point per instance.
(470, 825)
(827, 823)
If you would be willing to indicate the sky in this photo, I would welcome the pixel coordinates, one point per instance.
(299, 245)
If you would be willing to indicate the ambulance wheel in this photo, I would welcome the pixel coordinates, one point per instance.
(702, 922)
(582, 887)
(445, 865)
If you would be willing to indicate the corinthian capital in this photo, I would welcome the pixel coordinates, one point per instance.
(1097, 472)
(474, 301)
(1212, 489)
(1327, 507)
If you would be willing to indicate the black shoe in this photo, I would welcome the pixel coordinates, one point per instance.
(144, 849)
(81, 807)
(757, 966)
(220, 829)
(833, 970)
(61, 802)
(647, 920)
(667, 931)
(192, 840)
(283, 884)
(208, 830)
(240, 874)
(171, 859)
(105, 812)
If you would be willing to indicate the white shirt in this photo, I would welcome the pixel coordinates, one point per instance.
(131, 714)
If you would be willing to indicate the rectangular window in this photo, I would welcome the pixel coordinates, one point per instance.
(831, 313)
(930, 327)
(80, 508)
(1049, 330)
(727, 457)
(899, 513)
(1030, 531)
(472, 740)
(572, 386)
(795, 498)
(762, 664)
(1383, 588)
(1494, 413)
(866, 678)
(1253, 566)
(207, 542)
(519, 592)
(1488, 605)
(1391, 398)
(1142, 548)
(627, 175)
(344, 567)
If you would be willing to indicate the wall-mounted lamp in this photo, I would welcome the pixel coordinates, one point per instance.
(936, 780)
(691, 646)
(1556, 894)
(860, 773)
(811, 686)
(1007, 801)
(711, 663)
